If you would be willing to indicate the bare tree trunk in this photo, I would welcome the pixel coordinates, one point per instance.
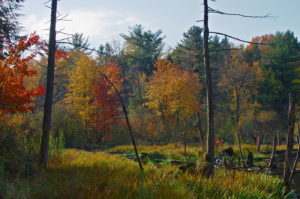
(201, 133)
(210, 109)
(238, 130)
(258, 142)
(272, 158)
(290, 141)
(297, 157)
(49, 88)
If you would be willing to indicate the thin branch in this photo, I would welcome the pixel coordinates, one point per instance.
(65, 33)
(86, 48)
(47, 2)
(48, 7)
(63, 39)
(62, 17)
(214, 11)
(235, 38)
(225, 49)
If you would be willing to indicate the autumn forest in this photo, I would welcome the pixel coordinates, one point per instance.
(214, 117)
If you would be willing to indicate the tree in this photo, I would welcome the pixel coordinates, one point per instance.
(240, 80)
(81, 82)
(280, 63)
(79, 42)
(173, 94)
(14, 96)
(9, 25)
(60, 76)
(189, 52)
(143, 48)
(264, 119)
(49, 87)
(106, 54)
(189, 55)
(210, 104)
(107, 103)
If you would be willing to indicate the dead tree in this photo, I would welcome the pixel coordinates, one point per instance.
(272, 161)
(208, 81)
(49, 88)
(209, 171)
(127, 119)
(290, 141)
(297, 156)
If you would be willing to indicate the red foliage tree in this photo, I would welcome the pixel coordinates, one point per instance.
(106, 101)
(14, 97)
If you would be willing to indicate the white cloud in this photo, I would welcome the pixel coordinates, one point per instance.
(99, 26)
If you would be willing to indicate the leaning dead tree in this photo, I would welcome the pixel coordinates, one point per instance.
(126, 118)
(49, 87)
(208, 82)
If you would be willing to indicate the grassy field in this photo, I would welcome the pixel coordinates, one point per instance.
(92, 175)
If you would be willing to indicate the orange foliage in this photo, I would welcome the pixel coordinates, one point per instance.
(265, 39)
(14, 97)
(172, 91)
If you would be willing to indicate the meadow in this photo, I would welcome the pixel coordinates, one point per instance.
(79, 174)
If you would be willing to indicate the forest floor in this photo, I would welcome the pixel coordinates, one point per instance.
(80, 174)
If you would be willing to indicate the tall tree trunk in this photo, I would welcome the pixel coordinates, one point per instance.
(290, 141)
(272, 158)
(49, 88)
(210, 109)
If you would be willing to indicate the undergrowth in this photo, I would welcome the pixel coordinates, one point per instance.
(92, 175)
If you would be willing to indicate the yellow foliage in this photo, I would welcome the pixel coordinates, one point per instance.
(172, 91)
(81, 82)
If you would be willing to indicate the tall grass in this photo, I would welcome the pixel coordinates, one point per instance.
(89, 175)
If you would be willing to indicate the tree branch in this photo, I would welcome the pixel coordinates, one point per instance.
(214, 11)
(235, 38)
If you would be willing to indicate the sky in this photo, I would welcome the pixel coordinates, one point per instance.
(103, 20)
